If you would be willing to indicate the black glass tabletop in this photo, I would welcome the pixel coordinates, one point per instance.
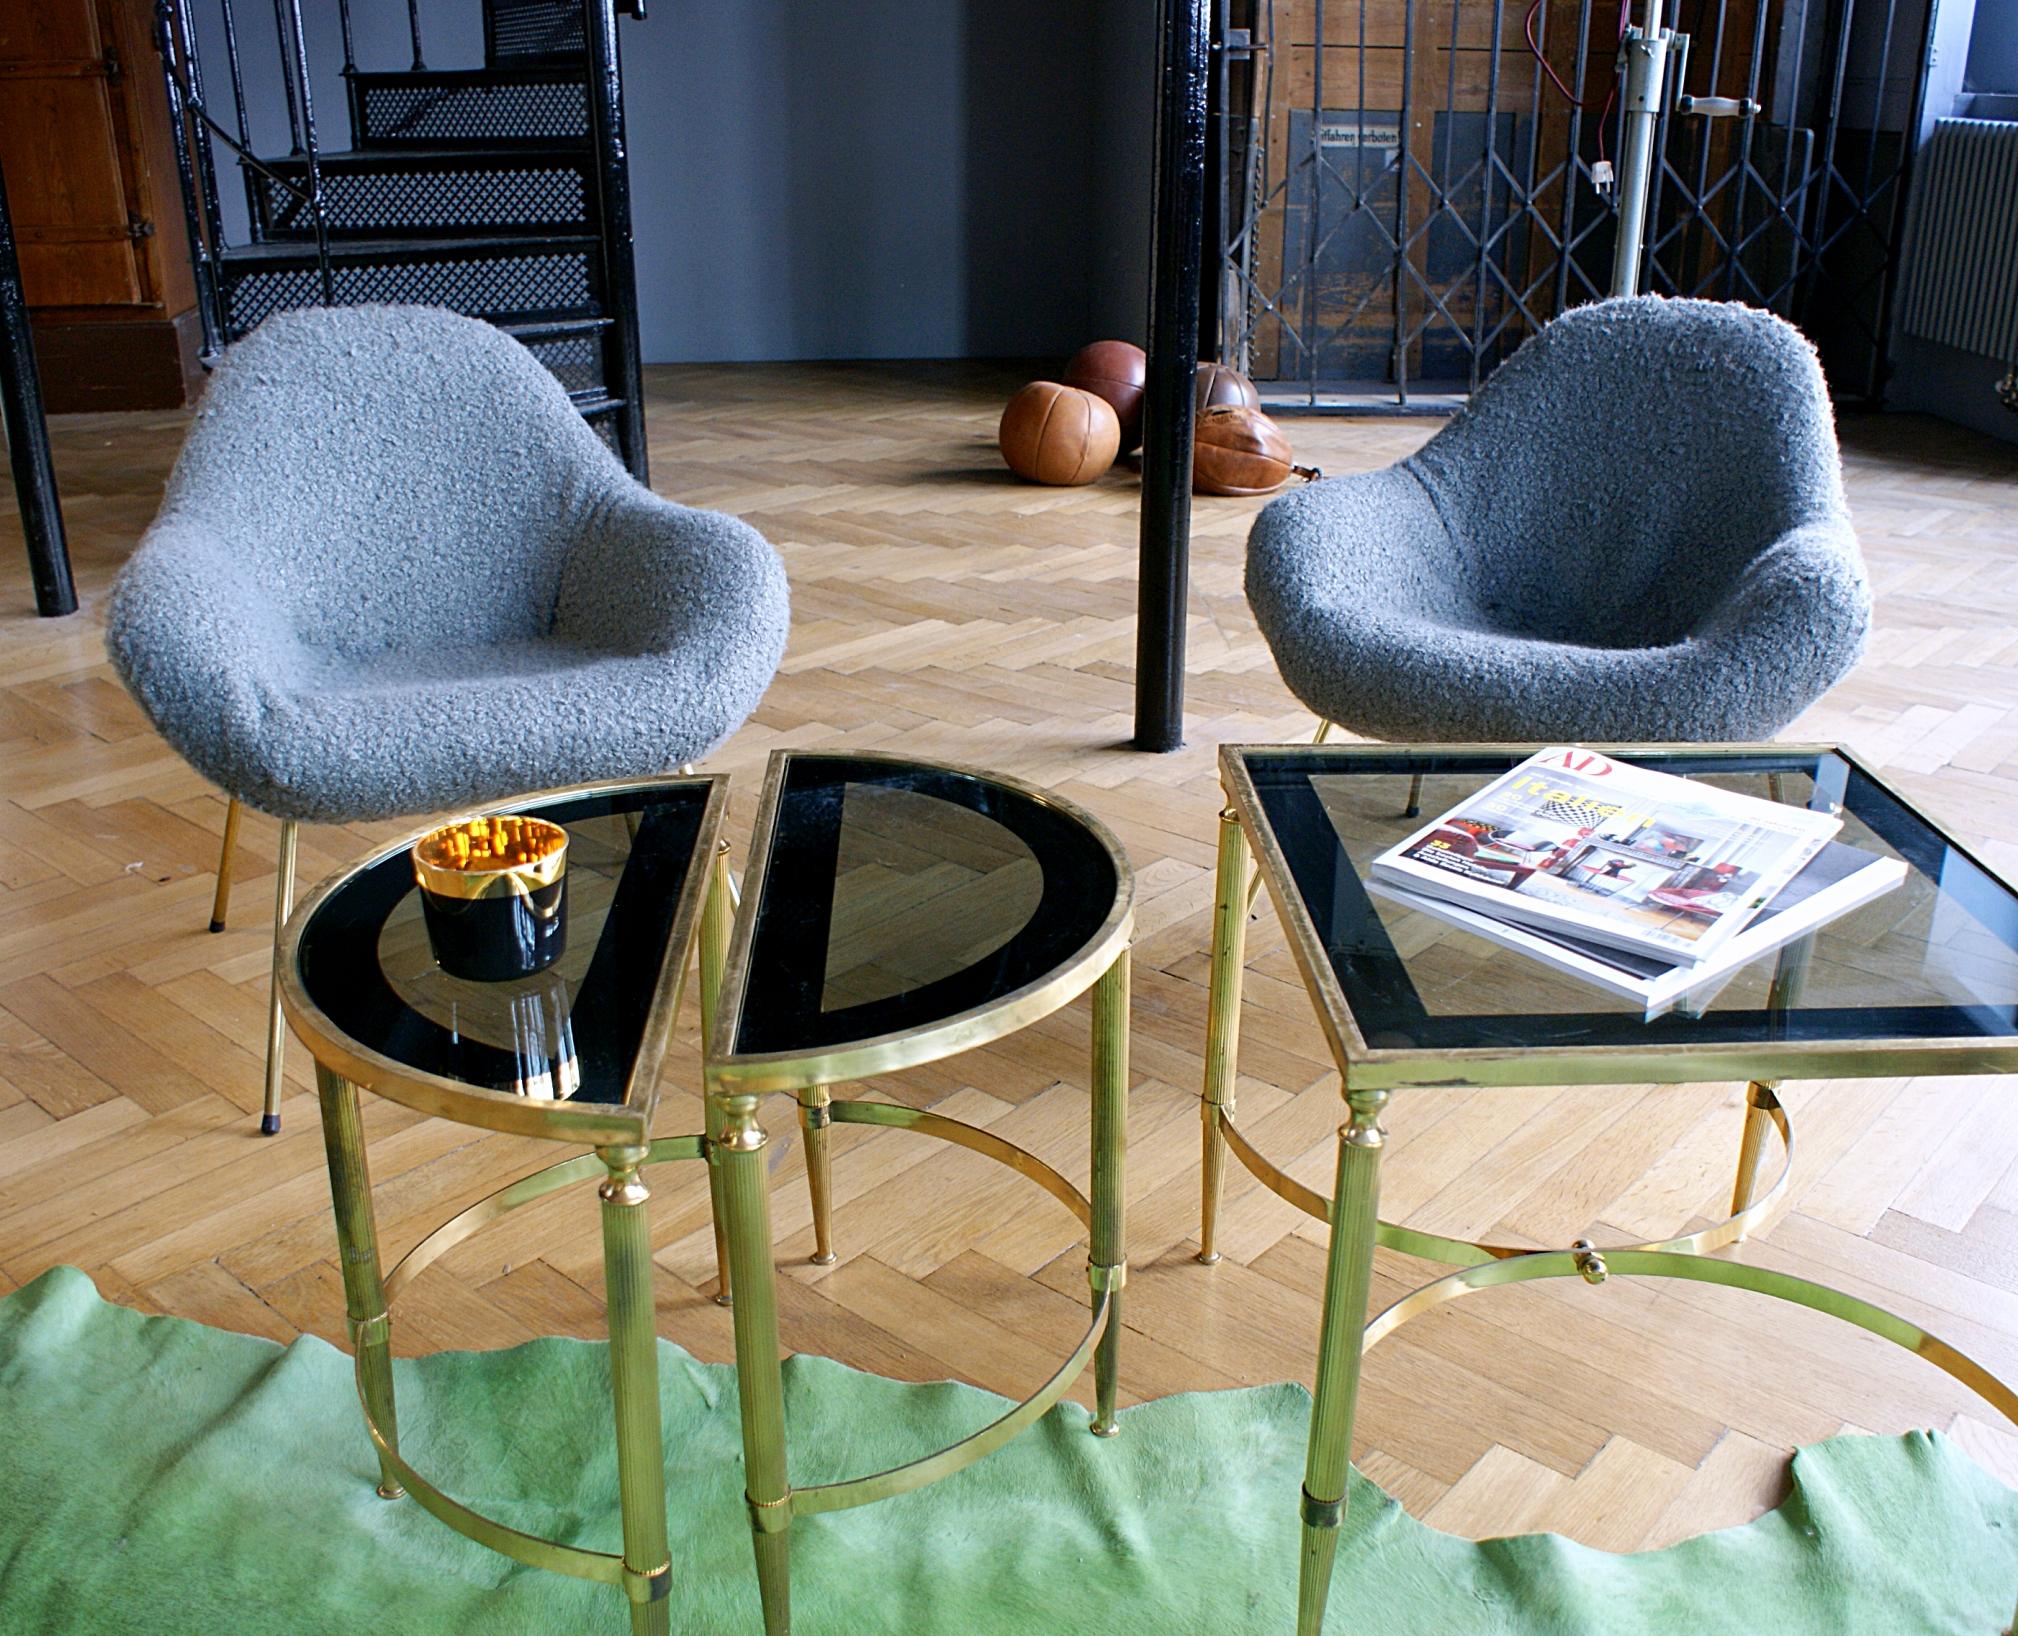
(570, 1033)
(894, 895)
(1934, 959)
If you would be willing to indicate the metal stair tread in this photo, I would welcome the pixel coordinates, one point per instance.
(511, 152)
(545, 72)
(272, 253)
(534, 327)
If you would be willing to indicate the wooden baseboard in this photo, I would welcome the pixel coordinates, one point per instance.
(138, 363)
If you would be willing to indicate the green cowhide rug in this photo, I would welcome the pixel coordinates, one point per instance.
(160, 1476)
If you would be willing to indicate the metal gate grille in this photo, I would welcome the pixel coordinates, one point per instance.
(1406, 190)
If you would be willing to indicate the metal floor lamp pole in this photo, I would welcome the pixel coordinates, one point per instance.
(1643, 67)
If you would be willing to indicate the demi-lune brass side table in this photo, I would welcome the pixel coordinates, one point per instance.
(898, 913)
(1923, 980)
(571, 1056)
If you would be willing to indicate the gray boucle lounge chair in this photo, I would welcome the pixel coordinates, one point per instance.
(1635, 531)
(397, 572)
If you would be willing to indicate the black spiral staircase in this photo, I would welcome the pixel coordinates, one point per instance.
(501, 192)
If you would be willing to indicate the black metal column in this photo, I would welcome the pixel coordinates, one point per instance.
(613, 178)
(28, 437)
(1167, 412)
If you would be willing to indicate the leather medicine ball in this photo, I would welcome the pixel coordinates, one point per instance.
(1116, 371)
(1217, 385)
(1238, 450)
(1059, 434)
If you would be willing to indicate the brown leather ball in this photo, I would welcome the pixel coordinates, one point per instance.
(1059, 434)
(1217, 385)
(1116, 371)
(1237, 450)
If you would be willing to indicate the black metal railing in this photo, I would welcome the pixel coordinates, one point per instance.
(1409, 188)
(501, 190)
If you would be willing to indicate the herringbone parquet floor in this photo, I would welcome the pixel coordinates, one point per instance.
(943, 609)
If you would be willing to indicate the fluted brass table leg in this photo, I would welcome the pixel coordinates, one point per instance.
(1348, 1276)
(357, 1251)
(1760, 1100)
(714, 945)
(220, 902)
(276, 1025)
(814, 1101)
(1222, 1022)
(1110, 1199)
(634, 1373)
(738, 1142)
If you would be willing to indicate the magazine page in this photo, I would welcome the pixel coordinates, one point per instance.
(1836, 881)
(1645, 861)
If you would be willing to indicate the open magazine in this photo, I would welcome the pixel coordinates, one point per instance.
(1837, 879)
(1572, 842)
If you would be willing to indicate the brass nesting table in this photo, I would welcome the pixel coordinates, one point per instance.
(1923, 980)
(896, 913)
(571, 1056)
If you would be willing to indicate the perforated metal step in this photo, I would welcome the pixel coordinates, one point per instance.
(518, 279)
(470, 107)
(428, 193)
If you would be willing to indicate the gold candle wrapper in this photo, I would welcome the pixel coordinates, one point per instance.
(494, 895)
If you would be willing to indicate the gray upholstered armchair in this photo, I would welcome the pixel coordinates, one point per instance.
(397, 572)
(1635, 531)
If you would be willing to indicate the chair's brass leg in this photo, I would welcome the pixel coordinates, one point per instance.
(1109, 1269)
(814, 1118)
(714, 941)
(276, 1025)
(1348, 1276)
(220, 904)
(1414, 807)
(738, 1142)
(1222, 1022)
(634, 1375)
(1760, 1099)
(357, 1255)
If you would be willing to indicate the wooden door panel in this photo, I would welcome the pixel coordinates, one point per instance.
(66, 176)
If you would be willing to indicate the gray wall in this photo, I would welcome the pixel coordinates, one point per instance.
(848, 179)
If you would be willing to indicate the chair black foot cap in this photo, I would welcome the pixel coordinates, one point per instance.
(217, 925)
(269, 1124)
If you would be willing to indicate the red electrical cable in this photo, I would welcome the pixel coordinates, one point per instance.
(1549, 68)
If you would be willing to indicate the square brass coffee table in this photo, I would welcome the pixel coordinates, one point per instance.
(1923, 980)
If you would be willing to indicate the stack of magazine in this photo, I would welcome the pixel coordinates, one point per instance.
(1650, 886)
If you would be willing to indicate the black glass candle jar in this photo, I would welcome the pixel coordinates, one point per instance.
(494, 894)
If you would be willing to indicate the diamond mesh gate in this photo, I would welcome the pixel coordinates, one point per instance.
(1406, 189)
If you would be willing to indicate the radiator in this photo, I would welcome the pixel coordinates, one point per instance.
(1961, 285)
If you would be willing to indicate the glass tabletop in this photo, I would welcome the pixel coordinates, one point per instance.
(573, 1033)
(1933, 960)
(893, 895)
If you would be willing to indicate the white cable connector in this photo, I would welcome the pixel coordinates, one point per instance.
(1602, 178)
